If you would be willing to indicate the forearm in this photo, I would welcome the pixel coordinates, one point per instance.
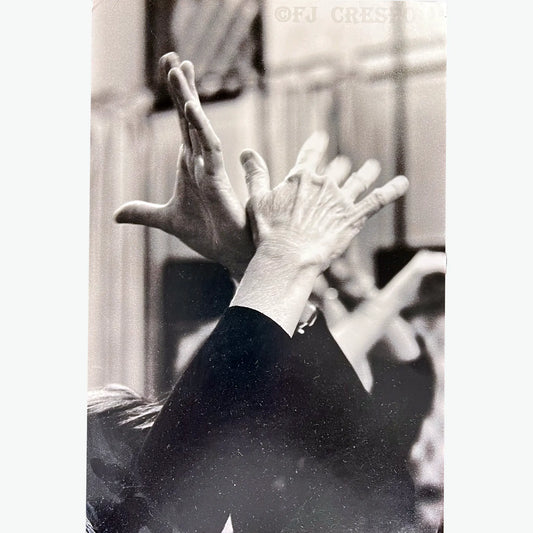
(239, 355)
(309, 309)
(223, 383)
(276, 285)
(401, 340)
(361, 329)
(377, 317)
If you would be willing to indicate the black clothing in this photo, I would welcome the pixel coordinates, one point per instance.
(278, 432)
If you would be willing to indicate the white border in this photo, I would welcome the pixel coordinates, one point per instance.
(45, 118)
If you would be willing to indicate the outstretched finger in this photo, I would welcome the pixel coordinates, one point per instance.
(180, 93)
(181, 86)
(381, 196)
(257, 178)
(196, 145)
(167, 63)
(359, 182)
(188, 69)
(143, 213)
(312, 152)
(339, 169)
(209, 142)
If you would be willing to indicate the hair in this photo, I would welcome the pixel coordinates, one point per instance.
(117, 406)
(89, 527)
(119, 419)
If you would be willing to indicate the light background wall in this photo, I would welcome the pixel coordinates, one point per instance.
(134, 153)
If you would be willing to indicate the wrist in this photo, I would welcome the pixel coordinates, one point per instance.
(283, 251)
(276, 285)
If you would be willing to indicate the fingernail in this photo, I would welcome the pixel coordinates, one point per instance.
(321, 135)
(401, 183)
(320, 138)
(169, 61)
(190, 106)
(248, 160)
(370, 167)
(118, 215)
(173, 76)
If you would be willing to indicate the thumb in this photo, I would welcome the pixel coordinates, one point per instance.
(143, 213)
(257, 177)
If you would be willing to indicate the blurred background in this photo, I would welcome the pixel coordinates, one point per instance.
(269, 72)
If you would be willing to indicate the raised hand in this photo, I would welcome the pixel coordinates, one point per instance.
(405, 285)
(204, 211)
(301, 225)
(313, 217)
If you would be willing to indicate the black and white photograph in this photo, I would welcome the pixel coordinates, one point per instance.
(266, 267)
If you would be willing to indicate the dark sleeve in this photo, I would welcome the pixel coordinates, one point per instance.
(317, 353)
(347, 430)
(328, 395)
(187, 454)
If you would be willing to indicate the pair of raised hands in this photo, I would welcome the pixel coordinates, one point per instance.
(309, 216)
